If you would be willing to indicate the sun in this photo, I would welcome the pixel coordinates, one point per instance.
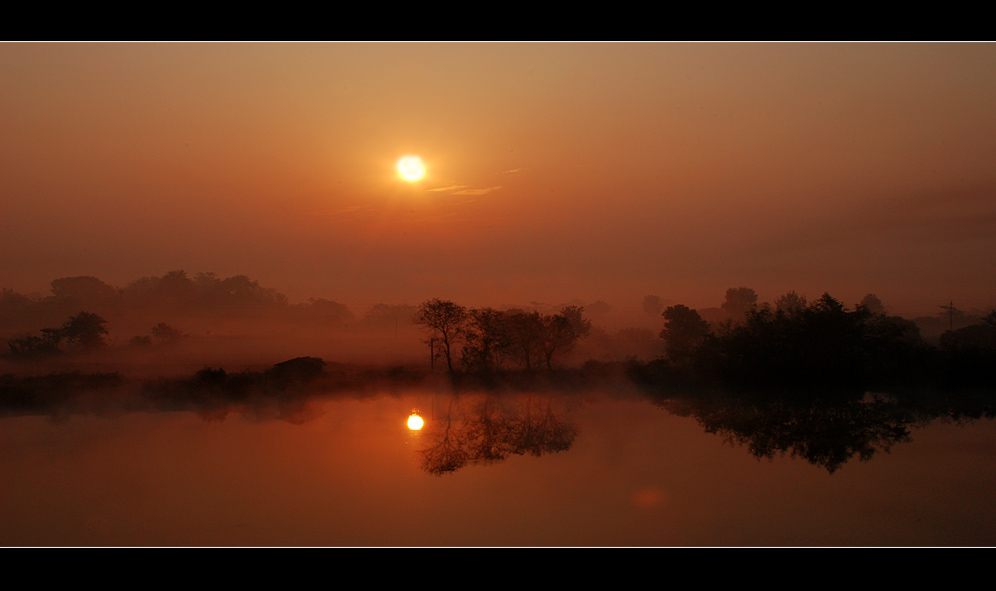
(415, 422)
(411, 168)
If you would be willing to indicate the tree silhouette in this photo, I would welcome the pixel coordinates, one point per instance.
(874, 305)
(739, 301)
(653, 305)
(562, 331)
(85, 330)
(790, 304)
(526, 332)
(165, 334)
(446, 323)
(488, 341)
(32, 346)
(83, 291)
(683, 331)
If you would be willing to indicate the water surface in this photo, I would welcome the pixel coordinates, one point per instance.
(606, 469)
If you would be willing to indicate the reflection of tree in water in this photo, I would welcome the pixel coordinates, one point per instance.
(488, 433)
(491, 430)
(824, 433)
(446, 454)
(543, 436)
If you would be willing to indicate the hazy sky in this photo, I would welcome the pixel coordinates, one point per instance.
(555, 171)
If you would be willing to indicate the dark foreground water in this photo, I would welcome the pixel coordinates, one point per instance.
(605, 470)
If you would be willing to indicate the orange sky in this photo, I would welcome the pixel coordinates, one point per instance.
(555, 171)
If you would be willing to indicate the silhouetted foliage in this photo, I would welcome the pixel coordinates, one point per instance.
(970, 354)
(790, 304)
(85, 330)
(175, 290)
(981, 335)
(83, 291)
(874, 305)
(739, 302)
(446, 323)
(165, 334)
(526, 334)
(562, 331)
(824, 343)
(488, 341)
(684, 330)
(653, 305)
(492, 338)
(32, 347)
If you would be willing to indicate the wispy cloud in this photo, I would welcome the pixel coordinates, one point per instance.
(513, 171)
(477, 191)
(449, 188)
(464, 190)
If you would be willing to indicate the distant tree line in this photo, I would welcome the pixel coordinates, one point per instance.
(82, 332)
(204, 300)
(789, 343)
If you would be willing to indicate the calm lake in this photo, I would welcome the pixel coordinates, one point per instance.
(607, 469)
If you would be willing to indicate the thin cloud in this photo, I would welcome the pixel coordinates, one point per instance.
(477, 191)
(449, 188)
(513, 171)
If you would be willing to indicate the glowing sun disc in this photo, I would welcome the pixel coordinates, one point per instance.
(411, 168)
(415, 422)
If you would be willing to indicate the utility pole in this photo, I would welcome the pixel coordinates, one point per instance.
(951, 310)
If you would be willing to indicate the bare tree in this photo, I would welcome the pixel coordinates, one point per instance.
(446, 323)
(487, 340)
(526, 333)
(562, 331)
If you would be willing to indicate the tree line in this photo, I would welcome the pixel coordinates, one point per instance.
(487, 340)
(173, 296)
(791, 342)
(83, 332)
(820, 344)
